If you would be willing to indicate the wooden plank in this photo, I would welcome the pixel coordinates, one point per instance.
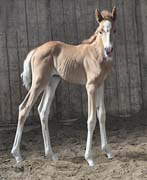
(14, 74)
(22, 27)
(141, 54)
(91, 21)
(132, 56)
(70, 25)
(5, 94)
(32, 23)
(81, 18)
(121, 62)
(3, 16)
(143, 26)
(105, 5)
(11, 16)
(57, 22)
(44, 21)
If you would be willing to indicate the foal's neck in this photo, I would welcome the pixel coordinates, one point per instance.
(99, 48)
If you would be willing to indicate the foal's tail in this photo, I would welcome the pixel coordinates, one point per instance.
(26, 75)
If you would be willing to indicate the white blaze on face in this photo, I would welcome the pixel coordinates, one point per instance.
(107, 28)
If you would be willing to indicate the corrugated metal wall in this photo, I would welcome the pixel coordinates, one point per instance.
(25, 24)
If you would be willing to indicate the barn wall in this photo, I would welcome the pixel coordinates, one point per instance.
(25, 24)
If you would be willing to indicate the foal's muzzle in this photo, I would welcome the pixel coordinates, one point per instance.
(109, 51)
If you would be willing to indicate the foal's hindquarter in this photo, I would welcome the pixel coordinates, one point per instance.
(82, 64)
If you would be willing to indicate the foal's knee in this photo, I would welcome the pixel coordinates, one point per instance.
(23, 112)
(90, 89)
(91, 124)
(101, 115)
(22, 115)
(43, 116)
(39, 110)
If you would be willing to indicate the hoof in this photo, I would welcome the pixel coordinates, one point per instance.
(17, 156)
(55, 157)
(52, 157)
(110, 155)
(108, 151)
(90, 162)
(18, 160)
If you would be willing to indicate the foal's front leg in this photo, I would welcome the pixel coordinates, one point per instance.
(101, 113)
(91, 122)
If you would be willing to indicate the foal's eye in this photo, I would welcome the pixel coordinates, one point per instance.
(100, 32)
(114, 31)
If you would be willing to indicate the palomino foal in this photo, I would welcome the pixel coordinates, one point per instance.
(87, 63)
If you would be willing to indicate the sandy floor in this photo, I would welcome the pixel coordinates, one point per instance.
(128, 138)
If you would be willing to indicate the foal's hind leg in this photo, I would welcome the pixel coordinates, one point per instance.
(43, 109)
(24, 110)
(41, 68)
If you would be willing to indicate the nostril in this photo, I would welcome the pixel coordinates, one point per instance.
(107, 50)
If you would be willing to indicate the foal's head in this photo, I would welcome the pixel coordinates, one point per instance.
(106, 29)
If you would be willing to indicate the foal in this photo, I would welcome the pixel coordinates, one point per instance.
(87, 63)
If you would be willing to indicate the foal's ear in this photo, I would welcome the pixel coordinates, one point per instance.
(114, 13)
(98, 16)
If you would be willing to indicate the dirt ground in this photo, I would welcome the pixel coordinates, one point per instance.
(128, 138)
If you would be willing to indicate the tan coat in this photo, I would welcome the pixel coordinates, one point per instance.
(86, 63)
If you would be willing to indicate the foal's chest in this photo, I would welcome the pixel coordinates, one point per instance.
(106, 67)
(97, 72)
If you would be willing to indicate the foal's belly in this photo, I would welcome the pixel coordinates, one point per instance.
(70, 70)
